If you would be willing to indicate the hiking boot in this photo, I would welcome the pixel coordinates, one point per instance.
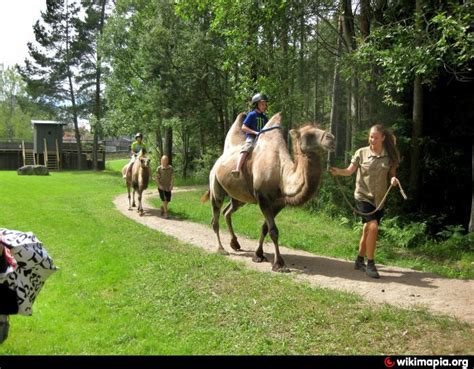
(235, 173)
(372, 270)
(4, 327)
(359, 264)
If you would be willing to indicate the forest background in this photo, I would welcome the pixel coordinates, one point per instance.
(181, 71)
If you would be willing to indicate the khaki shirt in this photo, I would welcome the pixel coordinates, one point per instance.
(164, 177)
(372, 175)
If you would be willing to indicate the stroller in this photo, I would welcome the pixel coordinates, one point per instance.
(24, 267)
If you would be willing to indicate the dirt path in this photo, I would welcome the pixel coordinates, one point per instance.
(398, 286)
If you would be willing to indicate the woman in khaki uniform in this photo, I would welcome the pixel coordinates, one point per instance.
(375, 165)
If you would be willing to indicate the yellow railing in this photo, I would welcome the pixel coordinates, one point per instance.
(58, 159)
(45, 153)
(23, 151)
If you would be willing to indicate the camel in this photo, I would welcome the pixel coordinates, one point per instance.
(137, 179)
(269, 178)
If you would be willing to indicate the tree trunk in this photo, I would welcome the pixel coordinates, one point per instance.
(415, 138)
(76, 122)
(352, 88)
(316, 76)
(365, 18)
(168, 149)
(98, 105)
(471, 222)
(336, 88)
(72, 96)
(417, 117)
(159, 138)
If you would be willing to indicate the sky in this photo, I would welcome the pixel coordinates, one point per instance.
(16, 28)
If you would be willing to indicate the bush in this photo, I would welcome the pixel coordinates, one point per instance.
(406, 236)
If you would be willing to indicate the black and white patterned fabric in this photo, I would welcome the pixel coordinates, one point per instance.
(33, 267)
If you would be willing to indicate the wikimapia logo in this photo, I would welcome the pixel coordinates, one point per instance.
(427, 362)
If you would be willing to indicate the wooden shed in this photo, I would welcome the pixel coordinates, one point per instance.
(47, 142)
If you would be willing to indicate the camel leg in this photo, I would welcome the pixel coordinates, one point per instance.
(231, 208)
(133, 198)
(269, 212)
(129, 199)
(140, 207)
(217, 199)
(259, 256)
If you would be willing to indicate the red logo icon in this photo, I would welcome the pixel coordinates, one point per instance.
(389, 363)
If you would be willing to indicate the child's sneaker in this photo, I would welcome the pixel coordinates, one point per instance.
(359, 264)
(372, 270)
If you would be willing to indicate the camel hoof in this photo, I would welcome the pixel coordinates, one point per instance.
(280, 268)
(235, 244)
(222, 252)
(259, 259)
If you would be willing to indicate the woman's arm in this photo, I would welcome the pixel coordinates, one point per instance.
(343, 172)
(393, 176)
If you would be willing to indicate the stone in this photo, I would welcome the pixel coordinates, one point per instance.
(38, 170)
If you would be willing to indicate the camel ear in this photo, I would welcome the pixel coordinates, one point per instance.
(294, 134)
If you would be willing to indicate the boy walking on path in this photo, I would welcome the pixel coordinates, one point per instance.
(164, 180)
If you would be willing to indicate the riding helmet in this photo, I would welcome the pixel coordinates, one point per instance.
(259, 97)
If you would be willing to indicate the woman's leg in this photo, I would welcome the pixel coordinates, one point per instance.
(371, 244)
(371, 240)
(363, 241)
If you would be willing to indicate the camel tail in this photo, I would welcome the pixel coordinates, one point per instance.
(205, 197)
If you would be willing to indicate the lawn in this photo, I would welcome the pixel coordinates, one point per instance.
(123, 288)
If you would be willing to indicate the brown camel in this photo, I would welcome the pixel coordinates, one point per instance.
(137, 179)
(269, 178)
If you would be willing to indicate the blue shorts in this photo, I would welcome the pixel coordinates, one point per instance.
(367, 207)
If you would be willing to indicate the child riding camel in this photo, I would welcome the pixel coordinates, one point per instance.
(137, 147)
(252, 125)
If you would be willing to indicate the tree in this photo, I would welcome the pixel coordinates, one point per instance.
(50, 70)
(16, 108)
(90, 79)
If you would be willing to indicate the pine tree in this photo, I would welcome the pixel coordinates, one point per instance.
(92, 67)
(50, 70)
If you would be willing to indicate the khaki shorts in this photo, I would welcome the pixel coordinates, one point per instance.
(248, 147)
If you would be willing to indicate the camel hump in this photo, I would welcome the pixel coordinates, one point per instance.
(275, 120)
(235, 136)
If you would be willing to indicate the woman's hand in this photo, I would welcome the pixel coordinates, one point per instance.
(334, 171)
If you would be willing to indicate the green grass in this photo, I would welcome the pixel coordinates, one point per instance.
(123, 288)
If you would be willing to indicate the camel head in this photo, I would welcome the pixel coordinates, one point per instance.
(310, 139)
(144, 161)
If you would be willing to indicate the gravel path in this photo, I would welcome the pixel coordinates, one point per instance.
(397, 286)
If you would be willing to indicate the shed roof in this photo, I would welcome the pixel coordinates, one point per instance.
(47, 122)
